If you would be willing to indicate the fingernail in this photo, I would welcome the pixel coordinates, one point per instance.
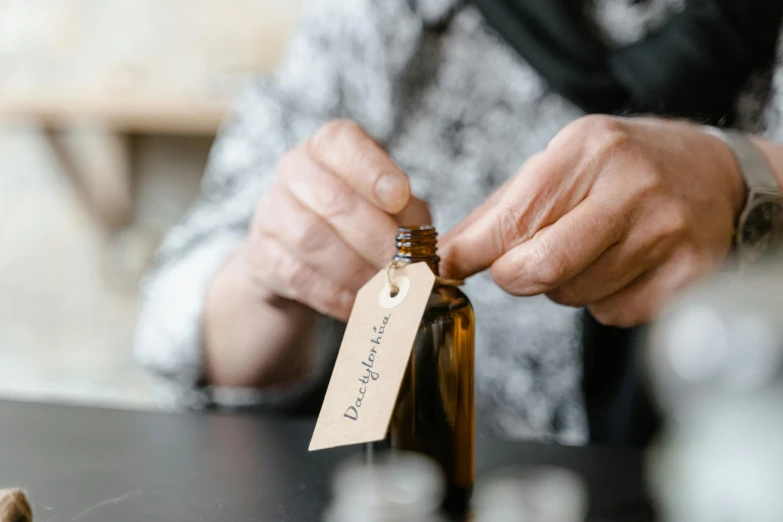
(392, 191)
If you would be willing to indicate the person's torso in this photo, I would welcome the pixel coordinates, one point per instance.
(472, 111)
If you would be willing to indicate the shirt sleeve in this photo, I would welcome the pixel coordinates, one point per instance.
(345, 60)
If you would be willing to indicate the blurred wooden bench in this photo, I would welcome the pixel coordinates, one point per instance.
(91, 73)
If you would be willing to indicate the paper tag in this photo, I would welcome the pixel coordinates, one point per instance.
(373, 357)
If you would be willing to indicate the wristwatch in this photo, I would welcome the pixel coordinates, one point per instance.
(759, 235)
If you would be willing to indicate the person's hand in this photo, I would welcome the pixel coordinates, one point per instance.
(328, 223)
(616, 214)
(323, 229)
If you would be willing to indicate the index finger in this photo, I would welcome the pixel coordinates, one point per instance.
(523, 205)
(343, 147)
(476, 246)
(560, 251)
(547, 186)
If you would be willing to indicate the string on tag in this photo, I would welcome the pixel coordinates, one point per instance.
(14, 506)
(394, 265)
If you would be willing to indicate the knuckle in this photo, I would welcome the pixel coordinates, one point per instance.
(675, 221)
(591, 125)
(310, 234)
(649, 182)
(255, 251)
(291, 273)
(512, 227)
(334, 202)
(617, 314)
(505, 278)
(551, 270)
(332, 300)
(613, 315)
(647, 186)
(328, 298)
(282, 268)
(334, 132)
(602, 123)
(607, 137)
(566, 296)
(594, 134)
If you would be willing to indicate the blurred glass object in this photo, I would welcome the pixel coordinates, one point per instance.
(395, 487)
(725, 463)
(716, 363)
(723, 337)
(545, 494)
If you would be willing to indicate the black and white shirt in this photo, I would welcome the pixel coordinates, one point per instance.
(460, 112)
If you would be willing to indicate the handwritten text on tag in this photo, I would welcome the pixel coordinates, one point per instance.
(373, 357)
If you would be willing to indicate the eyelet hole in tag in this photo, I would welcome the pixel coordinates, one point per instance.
(388, 298)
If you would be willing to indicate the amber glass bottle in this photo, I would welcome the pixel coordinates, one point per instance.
(434, 414)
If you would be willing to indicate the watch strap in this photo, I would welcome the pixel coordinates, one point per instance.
(751, 162)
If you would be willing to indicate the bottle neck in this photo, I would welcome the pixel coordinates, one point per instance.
(417, 244)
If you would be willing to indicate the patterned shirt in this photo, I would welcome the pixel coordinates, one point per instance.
(459, 111)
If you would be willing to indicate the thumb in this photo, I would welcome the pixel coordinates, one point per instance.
(416, 213)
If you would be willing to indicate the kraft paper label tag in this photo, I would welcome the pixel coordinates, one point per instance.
(373, 357)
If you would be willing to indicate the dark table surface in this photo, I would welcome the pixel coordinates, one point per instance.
(90, 464)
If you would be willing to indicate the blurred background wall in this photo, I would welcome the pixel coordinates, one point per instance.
(107, 112)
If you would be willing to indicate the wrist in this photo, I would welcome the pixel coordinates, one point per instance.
(222, 302)
(248, 342)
